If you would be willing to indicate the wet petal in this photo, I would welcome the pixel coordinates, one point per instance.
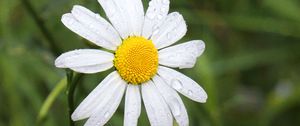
(170, 31)
(183, 84)
(85, 60)
(108, 104)
(173, 100)
(156, 13)
(86, 32)
(132, 105)
(156, 108)
(182, 55)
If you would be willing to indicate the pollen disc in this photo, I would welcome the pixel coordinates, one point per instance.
(136, 60)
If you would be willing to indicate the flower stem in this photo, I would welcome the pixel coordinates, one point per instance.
(73, 80)
(59, 88)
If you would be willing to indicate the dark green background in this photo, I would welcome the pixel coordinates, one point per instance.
(250, 68)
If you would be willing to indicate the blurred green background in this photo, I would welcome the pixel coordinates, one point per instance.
(250, 68)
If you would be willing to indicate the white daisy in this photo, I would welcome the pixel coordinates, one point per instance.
(142, 59)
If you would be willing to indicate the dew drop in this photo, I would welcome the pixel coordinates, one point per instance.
(190, 92)
(176, 84)
(151, 15)
(129, 114)
(175, 107)
(169, 35)
(155, 27)
(159, 17)
(111, 10)
(156, 32)
(151, 3)
(106, 114)
(97, 16)
(91, 25)
(163, 9)
(71, 22)
(165, 1)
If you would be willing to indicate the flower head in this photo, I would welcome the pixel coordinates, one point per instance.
(142, 59)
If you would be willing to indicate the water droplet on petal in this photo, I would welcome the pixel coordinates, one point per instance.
(71, 22)
(151, 3)
(111, 10)
(175, 107)
(151, 15)
(176, 84)
(159, 17)
(156, 32)
(169, 35)
(165, 1)
(190, 92)
(91, 25)
(106, 114)
(163, 9)
(97, 16)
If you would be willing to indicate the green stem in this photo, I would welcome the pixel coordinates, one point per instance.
(72, 83)
(60, 86)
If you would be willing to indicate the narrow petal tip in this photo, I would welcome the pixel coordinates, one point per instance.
(203, 98)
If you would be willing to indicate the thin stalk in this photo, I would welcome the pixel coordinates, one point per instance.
(73, 80)
(59, 88)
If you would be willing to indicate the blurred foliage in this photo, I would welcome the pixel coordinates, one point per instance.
(250, 68)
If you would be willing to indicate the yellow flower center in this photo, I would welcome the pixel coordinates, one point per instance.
(136, 60)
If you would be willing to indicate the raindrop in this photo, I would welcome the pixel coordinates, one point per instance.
(169, 35)
(175, 107)
(190, 92)
(165, 1)
(176, 84)
(151, 3)
(151, 15)
(159, 17)
(71, 22)
(155, 27)
(111, 10)
(106, 114)
(156, 32)
(85, 110)
(91, 26)
(129, 114)
(97, 16)
(98, 32)
(163, 9)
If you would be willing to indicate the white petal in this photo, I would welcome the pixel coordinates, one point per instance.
(108, 104)
(132, 105)
(173, 100)
(156, 13)
(125, 15)
(107, 92)
(170, 31)
(96, 24)
(156, 108)
(182, 55)
(183, 84)
(135, 15)
(85, 60)
(73, 24)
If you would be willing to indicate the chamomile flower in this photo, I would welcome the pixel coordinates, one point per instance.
(142, 61)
